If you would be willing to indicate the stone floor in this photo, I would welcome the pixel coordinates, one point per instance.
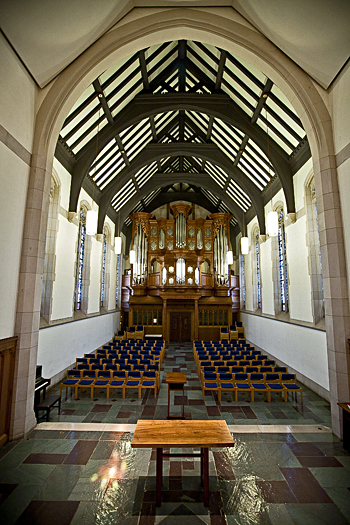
(286, 466)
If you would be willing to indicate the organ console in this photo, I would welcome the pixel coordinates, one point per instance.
(181, 266)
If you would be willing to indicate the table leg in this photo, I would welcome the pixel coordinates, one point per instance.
(183, 402)
(168, 400)
(205, 452)
(159, 474)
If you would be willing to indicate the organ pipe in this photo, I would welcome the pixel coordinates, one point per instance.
(141, 249)
(220, 256)
(180, 227)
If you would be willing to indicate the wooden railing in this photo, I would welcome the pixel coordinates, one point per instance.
(7, 367)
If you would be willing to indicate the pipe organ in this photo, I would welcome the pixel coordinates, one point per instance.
(181, 263)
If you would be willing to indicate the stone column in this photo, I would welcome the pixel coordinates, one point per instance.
(29, 296)
(334, 284)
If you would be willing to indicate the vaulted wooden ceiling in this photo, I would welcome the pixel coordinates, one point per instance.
(182, 121)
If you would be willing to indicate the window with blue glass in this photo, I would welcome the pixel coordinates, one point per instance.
(282, 263)
(119, 258)
(78, 290)
(103, 272)
(257, 259)
(243, 279)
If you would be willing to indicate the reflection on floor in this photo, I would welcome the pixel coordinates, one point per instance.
(286, 466)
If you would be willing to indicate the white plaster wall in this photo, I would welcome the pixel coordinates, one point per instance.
(298, 272)
(63, 285)
(65, 180)
(14, 175)
(94, 298)
(339, 96)
(17, 100)
(299, 186)
(267, 292)
(304, 349)
(60, 345)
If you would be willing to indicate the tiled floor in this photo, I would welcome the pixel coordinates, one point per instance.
(286, 466)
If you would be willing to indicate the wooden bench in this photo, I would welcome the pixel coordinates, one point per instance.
(48, 404)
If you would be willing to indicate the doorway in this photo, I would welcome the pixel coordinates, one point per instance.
(180, 327)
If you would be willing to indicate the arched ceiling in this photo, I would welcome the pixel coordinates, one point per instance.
(182, 117)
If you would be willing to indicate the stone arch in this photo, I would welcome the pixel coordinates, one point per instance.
(235, 35)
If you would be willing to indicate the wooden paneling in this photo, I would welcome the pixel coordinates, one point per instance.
(7, 366)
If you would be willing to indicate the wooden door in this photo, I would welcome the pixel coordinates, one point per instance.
(180, 327)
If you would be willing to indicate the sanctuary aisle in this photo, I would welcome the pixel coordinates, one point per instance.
(79, 468)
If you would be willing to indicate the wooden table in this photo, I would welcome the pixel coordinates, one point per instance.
(176, 382)
(182, 434)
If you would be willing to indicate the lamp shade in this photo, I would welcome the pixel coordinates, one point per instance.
(230, 257)
(132, 256)
(91, 222)
(244, 245)
(272, 223)
(117, 245)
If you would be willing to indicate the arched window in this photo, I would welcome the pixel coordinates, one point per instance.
(118, 281)
(103, 269)
(315, 263)
(255, 254)
(79, 274)
(242, 264)
(282, 263)
(50, 249)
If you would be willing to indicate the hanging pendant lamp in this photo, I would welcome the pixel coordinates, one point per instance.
(244, 245)
(117, 245)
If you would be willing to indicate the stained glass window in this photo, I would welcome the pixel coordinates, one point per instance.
(119, 258)
(257, 255)
(103, 273)
(80, 260)
(319, 245)
(282, 263)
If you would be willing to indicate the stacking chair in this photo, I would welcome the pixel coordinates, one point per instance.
(150, 380)
(130, 332)
(226, 383)
(134, 380)
(102, 381)
(87, 383)
(290, 385)
(242, 385)
(117, 382)
(210, 383)
(281, 369)
(257, 382)
(73, 378)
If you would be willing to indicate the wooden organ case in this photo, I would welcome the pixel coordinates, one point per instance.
(180, 285)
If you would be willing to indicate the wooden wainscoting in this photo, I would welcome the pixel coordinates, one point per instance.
(7, 366)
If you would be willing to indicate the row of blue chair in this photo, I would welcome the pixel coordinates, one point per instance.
(251, 383)
(123, 380)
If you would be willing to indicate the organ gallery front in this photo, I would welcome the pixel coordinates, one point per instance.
(181, 284)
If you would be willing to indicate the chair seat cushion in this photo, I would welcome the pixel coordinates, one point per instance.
(70, 381)
(242, 385)
(275, 386)
(132, 383)
(101, 382)
(227, 385)
(291, 386)
(86, 382)
(259, 386)
(211, 385)
(148, 383)
(116, 383)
